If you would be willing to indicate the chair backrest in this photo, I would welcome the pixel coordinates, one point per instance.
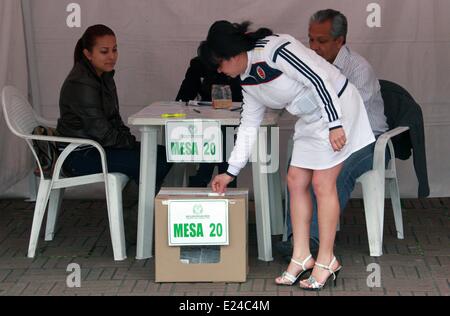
(21, 119)
(19, 115)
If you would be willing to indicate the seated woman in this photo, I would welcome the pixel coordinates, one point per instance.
(89, 108)
(198, 82)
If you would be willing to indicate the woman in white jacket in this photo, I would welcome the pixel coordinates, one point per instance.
(278, 72)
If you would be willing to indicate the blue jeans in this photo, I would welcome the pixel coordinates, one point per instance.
(355, 165)
(126, 161)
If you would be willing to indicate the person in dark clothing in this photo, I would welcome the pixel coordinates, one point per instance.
(89, 108)
(199, 80)
(198, 83)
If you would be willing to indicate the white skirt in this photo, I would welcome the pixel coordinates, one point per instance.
(312, 148)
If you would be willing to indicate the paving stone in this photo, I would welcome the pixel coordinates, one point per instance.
(140, 286)
(4, 274)
(107, 273)
(127, 286)
(18, 289)
(15, 276)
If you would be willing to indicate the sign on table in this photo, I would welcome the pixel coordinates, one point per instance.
(194, 141)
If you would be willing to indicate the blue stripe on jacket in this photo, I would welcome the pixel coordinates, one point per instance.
(306, 71)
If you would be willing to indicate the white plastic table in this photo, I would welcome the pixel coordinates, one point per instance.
(267, 186)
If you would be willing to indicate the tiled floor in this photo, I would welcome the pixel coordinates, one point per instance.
(417, 265)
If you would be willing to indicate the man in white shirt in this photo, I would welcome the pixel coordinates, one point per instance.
(328, 37)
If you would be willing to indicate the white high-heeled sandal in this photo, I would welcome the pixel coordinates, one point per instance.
(290, 279)
(314, 285)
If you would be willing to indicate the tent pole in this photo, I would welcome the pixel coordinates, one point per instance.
(35, 97)
(33, 83)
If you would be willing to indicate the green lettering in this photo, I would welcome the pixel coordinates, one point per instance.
(188, 149)
(186, 230)
(193, 232)
(199, 230)
(175, 148)
(178, 230)
(182, 149)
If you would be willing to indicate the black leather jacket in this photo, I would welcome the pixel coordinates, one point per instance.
(402, 110)
(89, 108)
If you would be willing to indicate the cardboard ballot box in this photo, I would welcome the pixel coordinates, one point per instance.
(201, 220)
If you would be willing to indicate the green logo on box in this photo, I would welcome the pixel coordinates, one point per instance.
(198, 209)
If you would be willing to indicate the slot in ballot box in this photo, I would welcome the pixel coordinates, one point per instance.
(200, 236)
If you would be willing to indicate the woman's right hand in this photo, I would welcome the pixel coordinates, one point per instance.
(220, 183)
(338, 139)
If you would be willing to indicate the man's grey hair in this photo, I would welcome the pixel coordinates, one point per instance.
(338, 21)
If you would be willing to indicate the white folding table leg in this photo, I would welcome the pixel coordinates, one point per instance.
(144, 245)
(262, 203)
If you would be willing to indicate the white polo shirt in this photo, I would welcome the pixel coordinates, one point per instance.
(283, 73)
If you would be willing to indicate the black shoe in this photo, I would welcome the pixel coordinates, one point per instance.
(284, 248)
(130, 219)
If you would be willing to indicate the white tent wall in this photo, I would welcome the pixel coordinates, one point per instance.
(157, 38)
(15, 157)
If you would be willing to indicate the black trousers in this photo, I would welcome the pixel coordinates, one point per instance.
(126, 161)
(205, 170)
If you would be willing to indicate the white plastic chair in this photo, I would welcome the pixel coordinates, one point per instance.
(373, 187)
(21, 120)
